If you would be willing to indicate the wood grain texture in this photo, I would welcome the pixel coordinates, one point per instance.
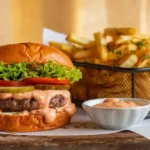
(117, 141)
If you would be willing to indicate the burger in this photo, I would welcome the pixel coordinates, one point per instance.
(34, 87)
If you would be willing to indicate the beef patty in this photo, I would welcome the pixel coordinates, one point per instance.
(15, 105)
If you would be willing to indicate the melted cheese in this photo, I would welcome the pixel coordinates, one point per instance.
(43, 98)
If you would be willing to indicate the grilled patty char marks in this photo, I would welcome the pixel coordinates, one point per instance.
(14, 105)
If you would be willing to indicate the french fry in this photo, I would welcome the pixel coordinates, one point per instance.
(118, 52)
(97, 61)
(80, 40)
(101, 49)
(144, 59)
(65, 46)
(121, 50)
(119, 31)
(129, 61)
(87, 60)
(108, 63)
(55, 44)
(111, 46)
(97, 37)
(136, 40)
(112, 56)
(83, 54)
(121, 41)
(141, 39)
(132, 47)
(103, 53)
(67, 50)
(141, 52)
(142, 63)
(116, 46)
(148, 40)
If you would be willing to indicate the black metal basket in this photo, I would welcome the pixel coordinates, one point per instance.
(105, 81)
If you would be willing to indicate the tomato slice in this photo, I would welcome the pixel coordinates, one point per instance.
(46, 81)
(12, 83)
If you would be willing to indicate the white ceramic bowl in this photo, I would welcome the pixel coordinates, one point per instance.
(117, 118)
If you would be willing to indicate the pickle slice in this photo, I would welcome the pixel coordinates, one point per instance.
(52, 87)
(16, 89)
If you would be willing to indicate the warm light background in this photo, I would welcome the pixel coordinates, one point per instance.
(23, 20)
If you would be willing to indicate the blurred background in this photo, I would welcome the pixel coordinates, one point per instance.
(24, 20)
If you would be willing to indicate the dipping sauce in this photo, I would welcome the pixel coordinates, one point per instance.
(116, 103)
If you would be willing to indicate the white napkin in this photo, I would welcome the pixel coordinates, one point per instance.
(142, 128)
(80, 124)
(50, 35)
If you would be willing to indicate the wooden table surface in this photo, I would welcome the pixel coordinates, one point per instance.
(118, 141)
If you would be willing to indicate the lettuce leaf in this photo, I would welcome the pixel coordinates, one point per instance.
(21, 71)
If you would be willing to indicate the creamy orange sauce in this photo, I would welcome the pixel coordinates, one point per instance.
(25, 112)
(43, 97)
(115, 103)
(4, 96)
(19, 96)
(70, 109)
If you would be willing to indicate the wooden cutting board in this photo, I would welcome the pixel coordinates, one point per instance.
(118, 141)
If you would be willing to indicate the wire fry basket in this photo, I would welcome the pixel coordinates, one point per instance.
(104, 81)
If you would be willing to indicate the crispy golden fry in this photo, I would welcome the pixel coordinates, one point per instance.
(102, 51)
(142, 63)
(99, 61)
(118, 52)
(129, 61)
(137, 38)
(80, 40)
(141, 36)
(141, 52)
(132, 47)
(111, 46)
(97, 36)
(122, 50)
(120, 41)
(112, 56)
(148, 40)
(56, 44)
(116, 46)
(66, 48)
(83, 54)
(119, 31)
(144, 60)
(87, 60)
(141, 39)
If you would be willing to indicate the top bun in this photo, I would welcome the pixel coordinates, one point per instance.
(32, 52)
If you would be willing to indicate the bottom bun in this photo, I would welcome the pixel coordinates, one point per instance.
(31, 123)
